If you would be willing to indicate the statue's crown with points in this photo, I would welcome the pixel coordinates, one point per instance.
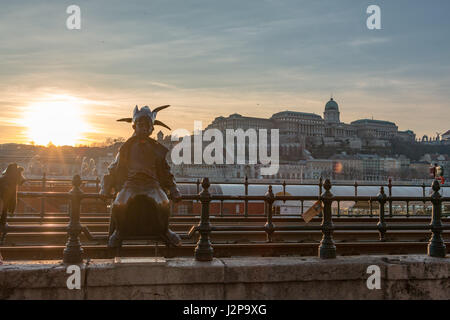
(146, 112)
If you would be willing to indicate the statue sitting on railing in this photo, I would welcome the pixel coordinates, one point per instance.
(9, 180)
(140, 175)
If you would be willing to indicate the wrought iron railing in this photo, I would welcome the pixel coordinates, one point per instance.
(204, 250)
(44, 183)
(327, 249)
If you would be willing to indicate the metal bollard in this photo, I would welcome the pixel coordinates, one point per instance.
(204, 250)
(73, 251)
(327, 249)
(269, 226)
(381, 222)
(436, 246)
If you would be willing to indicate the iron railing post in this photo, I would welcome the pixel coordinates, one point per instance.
(390, 195)
(320, 185)
(424, 201)
(356, 194)
(97, 185)
(381, 221)
(407, 209)
(436, 246)
(338, 209)
(320, 192)
(44, 184)
(73, 251)
(327, 249)
(204, 250)
(246, 194)
(269, 226)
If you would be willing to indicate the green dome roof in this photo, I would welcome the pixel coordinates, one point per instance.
(331, 105)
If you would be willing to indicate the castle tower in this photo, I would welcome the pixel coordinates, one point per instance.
(331, 114)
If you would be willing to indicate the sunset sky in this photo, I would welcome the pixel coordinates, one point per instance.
(209, 58)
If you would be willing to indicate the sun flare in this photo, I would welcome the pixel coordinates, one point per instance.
(57, 120)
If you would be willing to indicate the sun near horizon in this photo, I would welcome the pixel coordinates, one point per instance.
(57, 120)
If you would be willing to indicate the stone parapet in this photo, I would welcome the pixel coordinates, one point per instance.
(401, 277)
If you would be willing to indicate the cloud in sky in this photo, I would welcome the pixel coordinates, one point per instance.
(208, 58)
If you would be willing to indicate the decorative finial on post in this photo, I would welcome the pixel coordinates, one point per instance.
(327, 185)
(205, 185)
(76, 181)
(436, 186)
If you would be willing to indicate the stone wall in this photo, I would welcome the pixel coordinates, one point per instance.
(402, 277)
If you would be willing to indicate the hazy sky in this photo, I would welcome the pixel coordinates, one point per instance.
(208, 58)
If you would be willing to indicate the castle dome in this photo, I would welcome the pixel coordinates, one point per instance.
(331, 106)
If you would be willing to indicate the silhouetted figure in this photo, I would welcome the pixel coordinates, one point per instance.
(141, 177)
(433, 171)
(9, 180)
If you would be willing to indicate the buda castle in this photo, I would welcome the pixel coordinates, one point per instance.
(296, 129)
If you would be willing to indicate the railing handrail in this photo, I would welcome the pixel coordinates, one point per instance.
(217, 197)
(249, 182)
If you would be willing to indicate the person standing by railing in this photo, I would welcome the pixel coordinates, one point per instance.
(437, 172)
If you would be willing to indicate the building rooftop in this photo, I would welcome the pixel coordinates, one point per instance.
(371, 121)
(295, 114)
